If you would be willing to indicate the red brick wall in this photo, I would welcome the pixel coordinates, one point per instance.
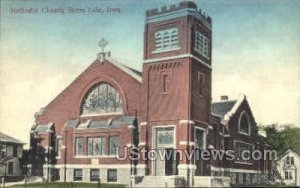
(235, 135)
(200, 104)
(186, 30)
(181, 101)
(184, 37)
(170, 105)
(124, 136)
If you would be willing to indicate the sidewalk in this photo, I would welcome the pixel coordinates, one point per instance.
(34, 179)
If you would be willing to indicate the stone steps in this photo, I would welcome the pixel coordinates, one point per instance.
(154, 181)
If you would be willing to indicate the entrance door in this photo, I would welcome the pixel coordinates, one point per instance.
(160, 163)
(164, 142)
(166, 166)
(200, 145)
(171, 162)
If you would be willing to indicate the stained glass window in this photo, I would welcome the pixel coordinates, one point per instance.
(113, 145)
(244, 124)
(102, 98)
(95, 146)
(79, 150)
(165, 136)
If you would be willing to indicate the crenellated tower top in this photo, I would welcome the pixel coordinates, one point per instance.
(175, 10)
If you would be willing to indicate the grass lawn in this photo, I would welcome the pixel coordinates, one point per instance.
(68, 185)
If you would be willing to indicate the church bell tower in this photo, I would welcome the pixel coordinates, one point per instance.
(176, 80)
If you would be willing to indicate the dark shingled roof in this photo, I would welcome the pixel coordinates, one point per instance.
(98, 124)
(41, 128)
(72, 123)
(6, 138)
(221, 108)
(124, 120)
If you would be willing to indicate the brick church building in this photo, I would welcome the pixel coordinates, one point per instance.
(111, 108)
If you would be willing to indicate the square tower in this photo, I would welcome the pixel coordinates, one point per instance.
(177, 63)
(176, 90)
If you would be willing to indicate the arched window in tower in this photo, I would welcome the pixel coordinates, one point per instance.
(244, 123)
(165, 81)
(201, 80)
(202, 44)
(166, 40)
(102, 98)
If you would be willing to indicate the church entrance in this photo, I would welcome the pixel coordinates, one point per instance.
(200, 145)
(166, 163)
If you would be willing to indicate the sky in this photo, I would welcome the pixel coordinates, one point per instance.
(255, 51)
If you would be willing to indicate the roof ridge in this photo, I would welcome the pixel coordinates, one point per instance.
(125, 68)
(237, 104)
(233, 100)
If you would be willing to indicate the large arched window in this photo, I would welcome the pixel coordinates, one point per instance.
(102, 98)
(244, 123)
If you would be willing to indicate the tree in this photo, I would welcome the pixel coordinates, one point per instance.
(282, 140)
(36, 154)
(40, 155)
(3, 155)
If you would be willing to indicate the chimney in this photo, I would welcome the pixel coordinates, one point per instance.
(224, 98)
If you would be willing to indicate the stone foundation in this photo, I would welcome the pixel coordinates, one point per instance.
(123, 173)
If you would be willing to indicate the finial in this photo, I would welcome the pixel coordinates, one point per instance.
(102, 43)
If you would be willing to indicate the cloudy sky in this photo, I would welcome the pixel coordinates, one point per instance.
(256, 47)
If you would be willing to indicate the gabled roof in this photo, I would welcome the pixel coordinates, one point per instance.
(98, 124)
(9, 139)
(137, 75)
(72, 123)
(226, 109)
(42, 128)
(288, 151)
(130, 71)
(124, 120)
(221, 108)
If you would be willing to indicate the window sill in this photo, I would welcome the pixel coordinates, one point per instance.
(94, 156)
(241, 162)
(78, 180)
(165, 50)
(244, 133)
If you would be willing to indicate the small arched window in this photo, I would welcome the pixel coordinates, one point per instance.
(102, 98)
(244, 123)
